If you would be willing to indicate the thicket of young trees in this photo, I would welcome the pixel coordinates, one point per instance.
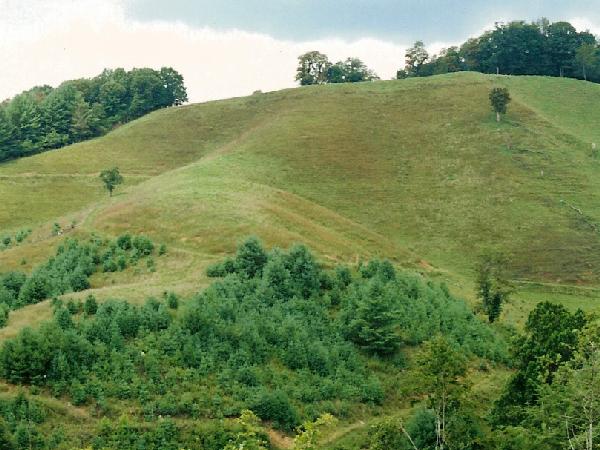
(515, 48)
(276, 334)
(45, 118)
(70, 268)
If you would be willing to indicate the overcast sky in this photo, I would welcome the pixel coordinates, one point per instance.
(227, 48)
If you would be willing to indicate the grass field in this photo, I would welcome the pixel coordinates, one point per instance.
(416, 170)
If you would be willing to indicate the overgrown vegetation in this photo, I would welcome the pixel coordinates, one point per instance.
(277, 334)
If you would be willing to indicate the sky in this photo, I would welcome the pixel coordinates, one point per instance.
(228, 48)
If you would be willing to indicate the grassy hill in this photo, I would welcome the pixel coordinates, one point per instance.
(416, 171)
(413, 170)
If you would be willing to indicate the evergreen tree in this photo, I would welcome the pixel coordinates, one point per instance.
(372, 320)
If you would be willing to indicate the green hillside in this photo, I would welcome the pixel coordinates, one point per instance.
(419, 163)
(416, 171)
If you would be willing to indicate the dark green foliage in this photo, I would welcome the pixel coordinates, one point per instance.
(111, 179)
(221, 269)
(250, 258)
(28, 437)
(370, 319)
(171, 299)
(351, 70)
(4, 312)
(421, 429)
(142, 245)
(315, 68)
(6, 439)
(69, 270)
(63, 318)
(44, 118)
(550, 340)
(493, 288)
(124, 242)
(271, 342)
(514, 48)
(10, 286)
(499, 99)
(407, 308)
(275, 406)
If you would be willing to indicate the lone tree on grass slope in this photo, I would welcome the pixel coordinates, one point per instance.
(499, 99)
(111, 179)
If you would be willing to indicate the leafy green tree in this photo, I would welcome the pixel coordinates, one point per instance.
(586, 56)
(442, 369)
(352, 70)
(252, 436)
(86, 120)
(562, 42)
(568, 414)
(174, 87)
(550, 341)
(499, 99)
(8, 140)
(111, 179)
(493, 288)
(415, 58)
(312, 68)
(308, 434)
(250, 257)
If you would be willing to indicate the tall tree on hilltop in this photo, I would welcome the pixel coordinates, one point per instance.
(312, 68)
(586, 56)
(415, 57)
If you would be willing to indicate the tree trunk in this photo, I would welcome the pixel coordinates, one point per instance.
(497, 116)
(584, 73)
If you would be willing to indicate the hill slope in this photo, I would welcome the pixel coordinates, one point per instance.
(417, 171)
(420, 164)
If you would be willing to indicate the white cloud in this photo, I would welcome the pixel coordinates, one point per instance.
(48, 41)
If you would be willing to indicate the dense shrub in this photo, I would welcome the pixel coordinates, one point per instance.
(275, 406)
(143, 245)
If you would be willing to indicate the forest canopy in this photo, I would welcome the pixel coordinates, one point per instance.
(45, 118)
(514, 48)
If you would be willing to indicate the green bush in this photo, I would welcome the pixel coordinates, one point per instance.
(276, 406)
(90, 305)
(142, 245)
(124, 242)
